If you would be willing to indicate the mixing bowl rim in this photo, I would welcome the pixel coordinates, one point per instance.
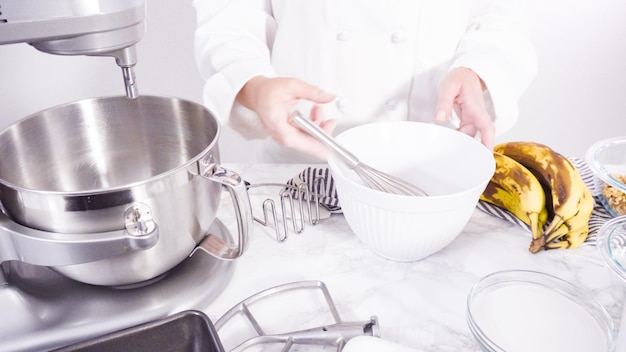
(335, 164)
(397, 197)
(121, 188)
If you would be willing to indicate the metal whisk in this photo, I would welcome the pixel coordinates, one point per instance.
(371, 177)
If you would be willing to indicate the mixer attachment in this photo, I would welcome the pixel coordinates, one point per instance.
(336, 334)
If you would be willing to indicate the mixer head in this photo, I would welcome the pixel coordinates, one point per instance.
(78, 27)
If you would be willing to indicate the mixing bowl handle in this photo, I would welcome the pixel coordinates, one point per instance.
(212, 243)
(43, 248)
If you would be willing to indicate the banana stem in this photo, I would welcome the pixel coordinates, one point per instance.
(537, 244)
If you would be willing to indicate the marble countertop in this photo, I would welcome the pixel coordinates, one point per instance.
(420, 304)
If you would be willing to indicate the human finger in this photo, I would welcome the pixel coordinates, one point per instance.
(448, 93)
(469, 130)
(301, 90)
(487, 136)
(482, 125)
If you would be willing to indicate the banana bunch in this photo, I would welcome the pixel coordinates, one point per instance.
(544, 190)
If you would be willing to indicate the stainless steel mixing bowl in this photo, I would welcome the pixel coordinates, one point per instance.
(87, 167)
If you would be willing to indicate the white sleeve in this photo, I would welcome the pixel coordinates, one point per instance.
(233, 41)
(498, 47)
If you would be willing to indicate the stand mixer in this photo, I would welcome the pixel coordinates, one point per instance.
(43, 309)
(78, 27)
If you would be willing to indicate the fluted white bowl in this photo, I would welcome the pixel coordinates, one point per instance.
(450, 166)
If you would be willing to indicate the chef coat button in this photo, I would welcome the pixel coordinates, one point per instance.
(344, 36)
(398, 37)
(342, 104)
(392, 104)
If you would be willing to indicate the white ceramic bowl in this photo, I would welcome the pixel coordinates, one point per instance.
(607, 158)
(450, 166)
(522, 310)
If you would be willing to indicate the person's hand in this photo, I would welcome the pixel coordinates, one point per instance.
(274, 98)
(462, 90)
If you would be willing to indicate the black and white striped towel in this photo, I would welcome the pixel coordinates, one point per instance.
(319, 179)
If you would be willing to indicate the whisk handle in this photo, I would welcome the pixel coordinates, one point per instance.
(316, 132)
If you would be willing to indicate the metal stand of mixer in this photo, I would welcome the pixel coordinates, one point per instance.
(43, 309)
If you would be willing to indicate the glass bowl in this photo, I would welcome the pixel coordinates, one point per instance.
(531, 311)
(611, 241)
(607, 160)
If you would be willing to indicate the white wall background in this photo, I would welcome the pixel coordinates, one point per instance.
(578, 97)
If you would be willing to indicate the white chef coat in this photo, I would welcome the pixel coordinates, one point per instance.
(383, 59)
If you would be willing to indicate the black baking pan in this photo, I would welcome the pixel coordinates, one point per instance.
(185, 332)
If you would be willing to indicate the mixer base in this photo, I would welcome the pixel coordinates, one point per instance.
(44, 310)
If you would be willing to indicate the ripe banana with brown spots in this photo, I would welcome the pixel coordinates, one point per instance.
(560, 179)
(514, 188)
(574, 230)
